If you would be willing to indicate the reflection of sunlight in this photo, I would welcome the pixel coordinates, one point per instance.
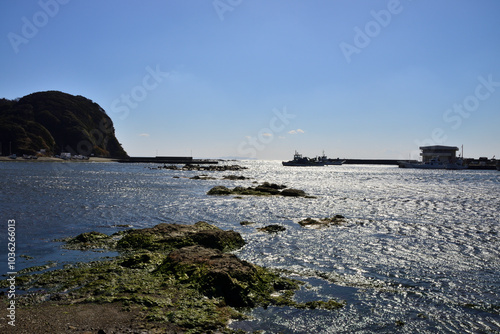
(402, 248)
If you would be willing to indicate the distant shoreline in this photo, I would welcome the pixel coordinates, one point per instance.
(52, 159)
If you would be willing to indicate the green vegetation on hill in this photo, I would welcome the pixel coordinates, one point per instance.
(57, 122)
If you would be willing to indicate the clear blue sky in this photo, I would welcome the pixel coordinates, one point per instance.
(262, 78)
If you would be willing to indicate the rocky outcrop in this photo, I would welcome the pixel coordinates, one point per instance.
(246, 223)
(272, 228)
(210, 168)
(171, 236)
(264, 189)
(234, 177)
(220, 190)
(175, 275)
(310, 222)
(293, 193)
(202, 177)
(57, 122)
(219, 274)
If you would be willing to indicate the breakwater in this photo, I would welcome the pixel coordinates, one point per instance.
(371, 162)
(168, 160)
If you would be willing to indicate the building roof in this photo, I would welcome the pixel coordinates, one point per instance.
(438, 148)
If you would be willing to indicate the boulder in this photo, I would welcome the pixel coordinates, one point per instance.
(293, 193)
(218, 274)
(272, 229)
(246, 222)
(219, 190)
(335, 220)
(170, 236)
(264, 189)
(234, 177)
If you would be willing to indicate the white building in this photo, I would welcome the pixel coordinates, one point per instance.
(445, 154)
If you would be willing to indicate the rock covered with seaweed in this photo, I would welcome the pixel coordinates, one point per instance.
(167, 276)
(264, 189)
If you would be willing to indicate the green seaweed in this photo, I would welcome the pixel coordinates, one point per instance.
(180, 274)
(264, 189)
(90, 240)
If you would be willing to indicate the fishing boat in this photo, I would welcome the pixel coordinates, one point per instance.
(432, 164)
(330, 162)
(299, 160)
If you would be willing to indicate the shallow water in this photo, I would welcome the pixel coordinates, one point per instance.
(418, 253)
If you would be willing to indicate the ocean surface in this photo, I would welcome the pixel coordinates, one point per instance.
(419, 251)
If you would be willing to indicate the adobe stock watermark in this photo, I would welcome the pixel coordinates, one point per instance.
(265, 136)
(30, 28)
(11, 273)
(223, 6)
(373, 28)
(454, 116)
(138, 93)
(99, 136)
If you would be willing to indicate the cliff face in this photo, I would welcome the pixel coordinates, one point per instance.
(57, 122)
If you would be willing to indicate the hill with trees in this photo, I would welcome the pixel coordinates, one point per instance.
(55, 122)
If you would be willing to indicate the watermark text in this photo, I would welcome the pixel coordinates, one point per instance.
(30, 28)
(11, 273)
(138, 93)
(265, 136)
(363, 37)
(223, 6)
(455, 115)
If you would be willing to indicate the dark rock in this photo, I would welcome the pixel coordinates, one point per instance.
(271, 188)
(202, 177)
(268, 188)
(214, 168)
(309, 221)
(234, 177)
(218, 239)
(219, 190)
(264, 189)
(170, 236)
(335, 220)
(246, 222)
(272, 185)
(272, 229)
(293, 193)
(219, 274)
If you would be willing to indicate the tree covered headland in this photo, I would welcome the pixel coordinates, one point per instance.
(57, 122)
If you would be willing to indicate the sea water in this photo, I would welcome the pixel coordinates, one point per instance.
(418, 252)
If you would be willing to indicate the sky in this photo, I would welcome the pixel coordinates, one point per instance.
(263, 78)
